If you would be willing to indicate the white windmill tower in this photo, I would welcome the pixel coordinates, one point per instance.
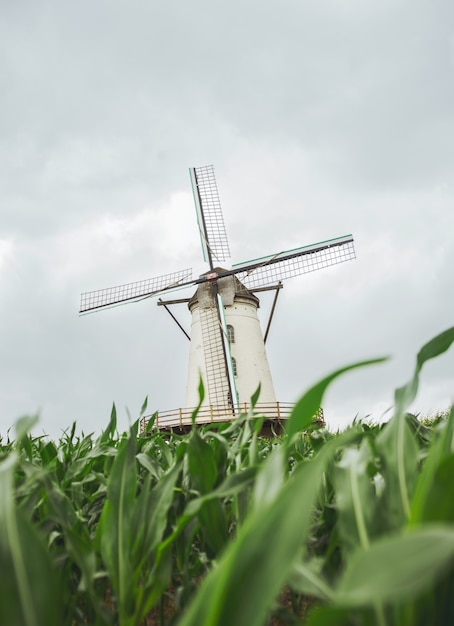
(227, 347)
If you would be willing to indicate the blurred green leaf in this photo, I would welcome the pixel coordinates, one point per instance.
(150, 513)
(441, 449)
(203, 474)
(355, 497)
(242, 588)
(404, 396)
(148, 525)
(399, 452)
(113, 530)
(201, 466)
(201, 390)
(30, 594)
(144, 407)
(308, 578)
(232, 485)
(150, 423)
(306, 408)
(435, 347)
(396, 568)
(110, 430)
(438, 504)
(270, 479)
(336, 616)
(255, 396)
(24, 425)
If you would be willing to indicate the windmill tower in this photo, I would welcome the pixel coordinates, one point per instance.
(245, 346)
(227, 347)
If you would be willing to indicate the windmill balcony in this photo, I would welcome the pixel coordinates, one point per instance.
(181, 419)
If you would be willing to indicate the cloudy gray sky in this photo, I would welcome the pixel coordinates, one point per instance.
(322, 118)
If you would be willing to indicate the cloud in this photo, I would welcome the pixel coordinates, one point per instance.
(322, 119)
(6, 250)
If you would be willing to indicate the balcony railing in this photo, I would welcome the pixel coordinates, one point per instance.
(209, 414)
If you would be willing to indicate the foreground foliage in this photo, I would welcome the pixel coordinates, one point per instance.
(223, 527)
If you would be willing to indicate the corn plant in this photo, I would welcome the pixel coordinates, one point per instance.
(222, 526)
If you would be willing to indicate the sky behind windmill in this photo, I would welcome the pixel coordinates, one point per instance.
(322, 118)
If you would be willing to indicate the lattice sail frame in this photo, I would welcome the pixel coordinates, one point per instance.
(234, 399)
(220, 380)
(130, 292)
(213, 236)
(273, 269)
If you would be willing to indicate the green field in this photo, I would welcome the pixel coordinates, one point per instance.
(222, 527)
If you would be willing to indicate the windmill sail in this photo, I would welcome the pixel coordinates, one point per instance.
(112, 296)
(228, 357)
(274, 268)
(213, 236)
(217, 382)
(212, 231)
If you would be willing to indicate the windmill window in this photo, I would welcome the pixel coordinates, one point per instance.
(235, 373)
(230, 333)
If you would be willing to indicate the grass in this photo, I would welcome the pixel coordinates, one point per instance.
(222, 527)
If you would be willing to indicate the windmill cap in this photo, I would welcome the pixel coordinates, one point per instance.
(230, 288)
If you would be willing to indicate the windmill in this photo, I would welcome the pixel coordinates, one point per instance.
(227, 346)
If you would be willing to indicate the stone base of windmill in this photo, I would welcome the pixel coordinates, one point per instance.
(181, 420)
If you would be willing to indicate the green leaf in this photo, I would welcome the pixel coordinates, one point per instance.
(201, 390)
(438, 504)
(78, 542)
(108, 434)
(113, 535)
(405, 395)
(254, 567)
(398, 568)
(214, 525)
(270, 479)
(150, 423)
(203, 475)
(149, 593)
(201, 465)
(150, 513)
(144, 407)
(399, 451)
(30, 593)
(149, 521)
(441, 449)
(24, 425)
(355, 497)
(306, 408)
(435, 347)
(233, 485)
(307, 578)
(333, 616)
(399, 441)
(255, 396)
(148, 463)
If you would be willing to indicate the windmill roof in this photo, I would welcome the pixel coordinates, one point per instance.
(230, 286)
